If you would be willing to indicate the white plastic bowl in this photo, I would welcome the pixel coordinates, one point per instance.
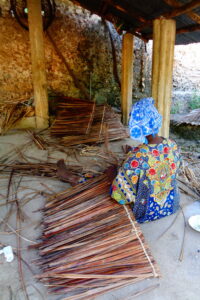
(194, 222)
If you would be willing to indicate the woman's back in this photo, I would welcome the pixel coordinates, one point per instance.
(147, 178)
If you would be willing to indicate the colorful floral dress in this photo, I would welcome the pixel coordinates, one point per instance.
(147, 180)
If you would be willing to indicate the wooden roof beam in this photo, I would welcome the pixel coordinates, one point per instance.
(176, 4)
(190, 28)
(130, 13)
(126, 10)
(187, 8)
(183, 9)
(185, 29)
(195, 17)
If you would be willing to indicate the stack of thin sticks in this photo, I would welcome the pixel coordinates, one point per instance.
(83, 122)
(90, 244)
(74, 117)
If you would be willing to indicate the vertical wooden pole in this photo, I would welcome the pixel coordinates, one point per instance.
(127, 76)
(155, 59)
(164, 33)
(38, 63)
(169, 75)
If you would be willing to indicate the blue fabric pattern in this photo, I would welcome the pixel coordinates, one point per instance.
(144, 120)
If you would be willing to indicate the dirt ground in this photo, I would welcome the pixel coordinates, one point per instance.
(179, 270)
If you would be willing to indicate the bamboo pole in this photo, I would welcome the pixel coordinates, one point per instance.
(127, 75)
(38, 63)
(164, 32)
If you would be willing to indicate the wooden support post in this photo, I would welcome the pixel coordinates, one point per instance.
(127, 76)
(38, 63)
(164, 33)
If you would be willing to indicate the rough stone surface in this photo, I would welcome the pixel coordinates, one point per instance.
(84, 41)
(85, 44)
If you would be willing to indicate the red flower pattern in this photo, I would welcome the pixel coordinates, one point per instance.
(134, 164)
(173, 166)
(166, 150)
(135, 149)
(152, 171)
(156, 152)
(114, 188)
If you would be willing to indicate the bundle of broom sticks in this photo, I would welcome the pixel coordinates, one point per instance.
(74, 117)
(90, 244)
(80, 121)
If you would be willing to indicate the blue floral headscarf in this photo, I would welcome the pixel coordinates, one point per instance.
(144, 120)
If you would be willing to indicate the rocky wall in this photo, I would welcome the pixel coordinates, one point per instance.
(84, 41)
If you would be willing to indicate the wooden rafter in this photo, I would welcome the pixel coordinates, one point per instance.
(195, 17)
(183, 9)
(185, 29)
(190, 28)
(177, 9)
(173, 3)
(176, 4)
(129, 12)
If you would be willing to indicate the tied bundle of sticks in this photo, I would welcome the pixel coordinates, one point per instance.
(74, 117)
(90, 244)
(83, 122)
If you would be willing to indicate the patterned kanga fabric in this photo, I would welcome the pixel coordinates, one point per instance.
(147, 178)
(144, 120)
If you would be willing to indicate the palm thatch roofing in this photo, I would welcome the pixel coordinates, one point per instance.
(136, 16)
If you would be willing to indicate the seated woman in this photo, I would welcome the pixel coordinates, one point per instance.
(147, 178)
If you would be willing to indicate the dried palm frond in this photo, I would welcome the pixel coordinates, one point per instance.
(10, 114)
(67, 173)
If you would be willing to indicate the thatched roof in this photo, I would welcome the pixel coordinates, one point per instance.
(137, 16)
(192, 118)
